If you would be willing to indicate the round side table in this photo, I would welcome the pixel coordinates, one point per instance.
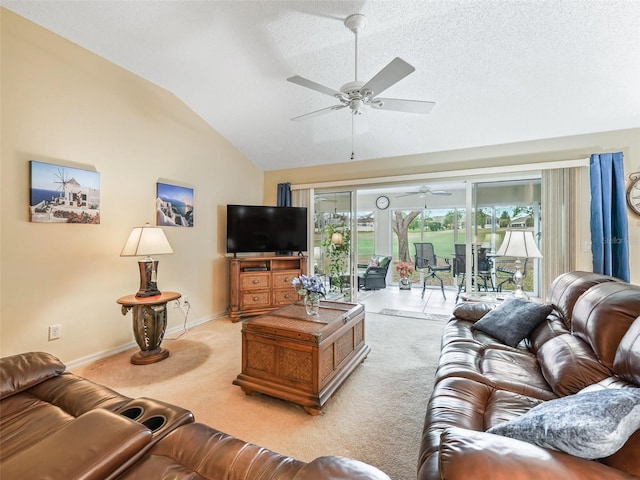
(149, 324)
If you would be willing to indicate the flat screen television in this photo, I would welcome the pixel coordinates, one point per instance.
(258, 229)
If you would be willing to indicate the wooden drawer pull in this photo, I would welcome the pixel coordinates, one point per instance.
(255, 299)
(255, 280)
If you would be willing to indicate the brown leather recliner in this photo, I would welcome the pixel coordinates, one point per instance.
(59, 426)
(589, 341)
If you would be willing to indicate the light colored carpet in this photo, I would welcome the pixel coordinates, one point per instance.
(376, 416)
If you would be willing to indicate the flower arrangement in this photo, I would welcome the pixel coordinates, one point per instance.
(404, 269)
(309, 286)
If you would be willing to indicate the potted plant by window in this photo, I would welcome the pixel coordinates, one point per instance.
(337, 246)
(404, 270)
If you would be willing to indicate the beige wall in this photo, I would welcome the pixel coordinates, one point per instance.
(64, 105)
(549, 150)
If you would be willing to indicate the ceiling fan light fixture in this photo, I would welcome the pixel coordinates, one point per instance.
(357, 106)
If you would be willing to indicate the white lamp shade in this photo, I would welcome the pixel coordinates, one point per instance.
(146, 240)
(519, 244)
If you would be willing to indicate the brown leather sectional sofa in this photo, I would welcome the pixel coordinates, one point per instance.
(55, 425)
(589, 342)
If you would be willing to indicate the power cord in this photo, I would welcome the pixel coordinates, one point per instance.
(186, 316)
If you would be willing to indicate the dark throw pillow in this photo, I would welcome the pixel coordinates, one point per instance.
(513, 320)
(588, 425)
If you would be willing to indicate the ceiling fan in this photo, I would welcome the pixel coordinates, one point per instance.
(424, 190)
(357, 94)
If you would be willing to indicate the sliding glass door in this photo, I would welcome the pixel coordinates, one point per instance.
(334, 241)
(459, 218)
(500, 207)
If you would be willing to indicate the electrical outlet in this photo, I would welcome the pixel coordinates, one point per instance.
(55, 331)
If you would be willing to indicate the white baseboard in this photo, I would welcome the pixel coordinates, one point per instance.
(79, 362)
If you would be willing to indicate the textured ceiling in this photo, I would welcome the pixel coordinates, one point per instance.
(499, 71)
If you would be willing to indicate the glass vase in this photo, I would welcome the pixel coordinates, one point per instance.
(405, 283)
(312, 303)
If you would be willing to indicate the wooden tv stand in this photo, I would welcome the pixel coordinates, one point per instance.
(259, 284)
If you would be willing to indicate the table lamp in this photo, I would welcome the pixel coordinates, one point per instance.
(146, 241)
(519, 244)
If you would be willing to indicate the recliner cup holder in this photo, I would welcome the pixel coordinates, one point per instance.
(133, 412)
(154, 423)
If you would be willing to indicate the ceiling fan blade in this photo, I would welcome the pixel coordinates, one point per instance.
(440, 192)
(407, 194)
(408, 106)
(304, 82)
(395, 71)
(317, 113)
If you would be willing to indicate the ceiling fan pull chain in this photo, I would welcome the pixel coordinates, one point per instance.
(353, 155)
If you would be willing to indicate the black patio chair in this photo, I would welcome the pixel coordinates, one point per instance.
(485, 265)
(426, 261)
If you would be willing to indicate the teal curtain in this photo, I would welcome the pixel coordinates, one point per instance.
(609, 223)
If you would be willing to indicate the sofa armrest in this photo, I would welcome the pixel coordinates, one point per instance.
(90, 447)
(339, 468)
(467, 454)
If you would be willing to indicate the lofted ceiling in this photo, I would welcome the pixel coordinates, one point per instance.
(500, 71)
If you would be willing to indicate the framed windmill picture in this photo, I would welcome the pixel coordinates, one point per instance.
(62, 194)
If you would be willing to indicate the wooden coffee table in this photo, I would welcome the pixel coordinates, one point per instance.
(289, 355)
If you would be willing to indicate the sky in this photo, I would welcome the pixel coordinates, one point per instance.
(45, 175)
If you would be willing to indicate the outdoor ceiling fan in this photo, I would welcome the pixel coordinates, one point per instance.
(357, 95)
(424, 190)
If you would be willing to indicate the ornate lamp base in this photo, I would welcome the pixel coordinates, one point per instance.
(148, 277)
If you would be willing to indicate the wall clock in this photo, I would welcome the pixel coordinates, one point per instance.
(633, 193)
(382, 202)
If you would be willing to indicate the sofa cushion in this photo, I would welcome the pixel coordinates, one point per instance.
(602, 316)
(513, 320)
(626, 363)
(589, 425)
(569, 365)
(567, 288)
(498, 366)
(22, 371)
(550, 328)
